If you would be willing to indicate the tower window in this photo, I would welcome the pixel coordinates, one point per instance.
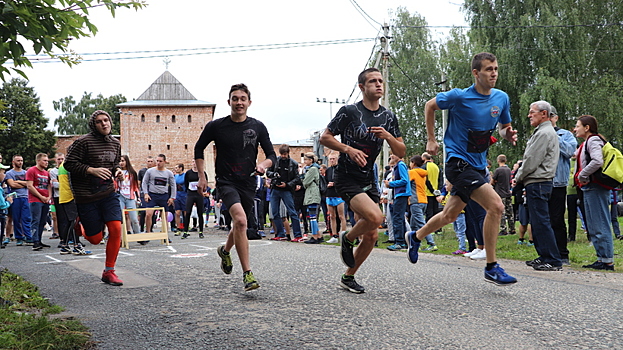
(173, 119)
(157, 119)
(190, 118)
(142, 118)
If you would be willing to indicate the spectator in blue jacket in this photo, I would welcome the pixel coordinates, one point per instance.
(402, 191)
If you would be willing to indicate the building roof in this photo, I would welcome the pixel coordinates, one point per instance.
(166, 91)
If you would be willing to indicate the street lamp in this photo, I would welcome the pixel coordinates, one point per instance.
(324, 100)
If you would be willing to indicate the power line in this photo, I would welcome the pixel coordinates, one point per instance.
(196, 51)
(516, 26)
(364, 14)
(406, 75)
(365, 66)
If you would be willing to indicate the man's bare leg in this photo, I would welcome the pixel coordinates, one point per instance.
(487, 198)
(238, 235)
(149, 220)
(369, 217)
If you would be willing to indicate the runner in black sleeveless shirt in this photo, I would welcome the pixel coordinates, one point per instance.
(236, 137)
(363, 128)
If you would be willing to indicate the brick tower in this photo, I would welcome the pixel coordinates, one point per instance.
(166, 119)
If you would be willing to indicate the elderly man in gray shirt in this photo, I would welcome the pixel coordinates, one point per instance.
(536, 174)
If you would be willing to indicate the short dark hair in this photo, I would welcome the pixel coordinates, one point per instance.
(181, 166)
(479, 57)
(362, 76)
(283, 149)
(417, 160)
(163, 157)
(240, 87)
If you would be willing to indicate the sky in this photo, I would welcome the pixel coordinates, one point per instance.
(284, 83)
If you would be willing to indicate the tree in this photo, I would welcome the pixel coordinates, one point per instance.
(413, 72)
(75, 116)
(47, 24)
(25, 132)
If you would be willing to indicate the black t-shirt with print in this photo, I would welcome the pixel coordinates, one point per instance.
(352, 122)
(236, 147)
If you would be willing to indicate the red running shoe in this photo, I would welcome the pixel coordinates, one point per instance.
(278, 239)
(297, 239)
(111, 278)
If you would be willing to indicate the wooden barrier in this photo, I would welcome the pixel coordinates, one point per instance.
(163, 235)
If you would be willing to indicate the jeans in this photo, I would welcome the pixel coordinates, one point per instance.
(614, 217)
(38, 213)
(537, 196)
(418, 220)
(127, 203)
(597, 208)
(276, 197)
(390, 223)
(459, 229)
(398, 219)
(474, 222)
(20, 210)
(557, 219)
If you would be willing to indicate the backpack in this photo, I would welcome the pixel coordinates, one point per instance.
(610, 175)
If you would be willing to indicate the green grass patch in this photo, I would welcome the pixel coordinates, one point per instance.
(25, 322)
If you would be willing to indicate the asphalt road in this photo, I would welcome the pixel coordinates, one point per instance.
(176, 297)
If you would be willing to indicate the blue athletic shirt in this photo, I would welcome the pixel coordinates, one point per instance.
(472, 118)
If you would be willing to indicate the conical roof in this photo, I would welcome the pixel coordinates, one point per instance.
(166, 87)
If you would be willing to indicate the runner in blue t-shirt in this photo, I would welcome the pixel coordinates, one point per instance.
(474, 113)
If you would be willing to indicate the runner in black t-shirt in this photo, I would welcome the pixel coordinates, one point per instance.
(363, 128)
(236, 138)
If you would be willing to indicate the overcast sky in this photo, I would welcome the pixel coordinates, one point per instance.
(284, 83)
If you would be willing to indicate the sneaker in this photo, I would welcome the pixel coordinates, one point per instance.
(177, 233)
(520, 242)
(55, 236)
(28, 242)
(277, 238)
(185, 235)
(44, 245)
(79, 250)
(111, 278)
(226, 264)
(412, 247)
(19, 243)
(262, 234)
(530, 244)
(430, 248)
(349, 283)
(498, 277)
(458, 252)
(547, 267)
(534, 262)
(140, 242)
(201, 235)
(333, 240)
(36, 247)
(566, 262)
(6, 241)
(481, 255)
(598, 265)
(312, 241)
(503, 233)
(347, 250)
(250, 282)
(473, 252)
(65, 250)
(395, 247)
(320, 240)
(299, 239)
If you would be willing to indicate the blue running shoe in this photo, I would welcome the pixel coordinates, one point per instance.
(412, 247)
(395, 247)
(498, 277)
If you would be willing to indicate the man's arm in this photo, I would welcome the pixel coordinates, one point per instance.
(431, 106)
(567, 144)
(33, 190)
(16, 183)
(328, 140)
(507, 133)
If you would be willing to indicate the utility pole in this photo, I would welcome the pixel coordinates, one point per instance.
(384, 58)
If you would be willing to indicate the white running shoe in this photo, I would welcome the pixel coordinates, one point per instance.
(475, 251)
(333, 240)
(480, 256)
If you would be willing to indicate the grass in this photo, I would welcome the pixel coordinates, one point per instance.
(580, 253)
(25, 323)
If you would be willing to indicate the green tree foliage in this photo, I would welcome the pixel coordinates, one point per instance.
(47, 25)
(75, 116)
(413, 72)
(25, 132)
(566, 52)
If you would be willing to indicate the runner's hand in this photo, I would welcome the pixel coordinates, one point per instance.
(432, 147)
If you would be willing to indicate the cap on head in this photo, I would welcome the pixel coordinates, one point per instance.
(94, 116)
